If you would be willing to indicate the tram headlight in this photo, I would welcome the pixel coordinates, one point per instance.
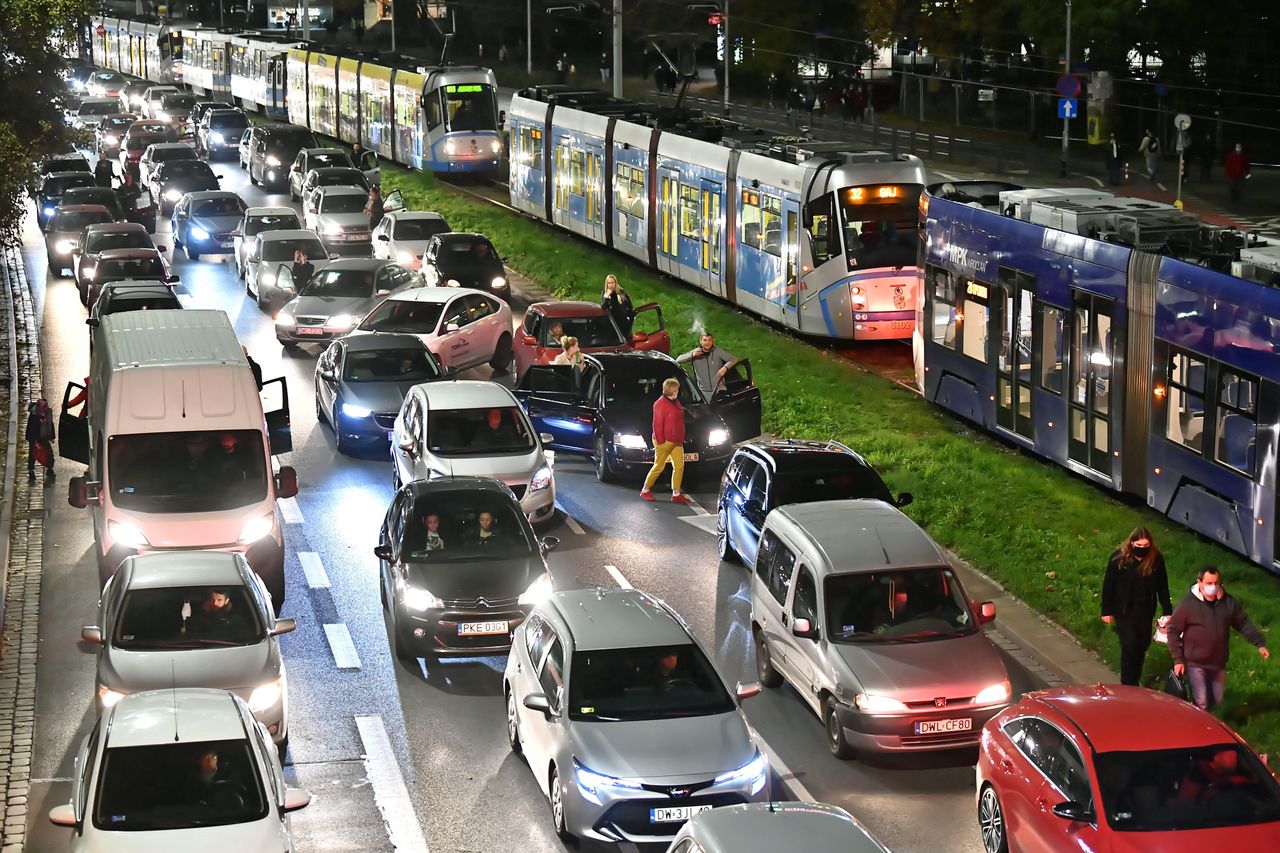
(449, 147)
(496, 145)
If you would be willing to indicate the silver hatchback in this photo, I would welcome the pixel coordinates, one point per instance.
(771, 827)
(622, 717)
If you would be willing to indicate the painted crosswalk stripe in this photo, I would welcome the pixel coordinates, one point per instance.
(317, 578)
(290, 510)
(618, 577)
(390, 793)
(344, 650)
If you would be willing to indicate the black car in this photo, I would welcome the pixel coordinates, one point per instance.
(53, 188)
(97, 239)
(608, 410)
(204, 105)
(173, 179)
(96, 195)
(462, 259)
(272, 149)
(454, 582)
(118, 296)
(64, 163)
(764, 475)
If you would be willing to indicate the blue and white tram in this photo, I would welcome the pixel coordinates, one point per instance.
(259, 79)
(146, 48)
(1111, 337)
(207, 66)
(815, 237)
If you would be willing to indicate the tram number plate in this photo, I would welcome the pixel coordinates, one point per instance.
(942, 727)
(691, 457)
(310, 330)
(471, 629)
(901, 324)
(673, 814)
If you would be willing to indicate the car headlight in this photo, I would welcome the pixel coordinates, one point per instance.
(257, 527)
(449, 147)
(496, 145)
(754, 773)
(266, 695)
(48, 211)
(406, 257)
(341, 321)
(109, 697)
(64, 247)
(217, 137)
(870, 703)
(629, 440)
(267, 278)
(333, 228)
(273, 160)
(538, 591)
(351, 410)
(127, 535)
(419, 599)
(498, 283)
(591, 784)
(284, 317)
(172, 194)
(994, 694)
(199, 233)
(719, 435)
(453, 282)
(111, 138)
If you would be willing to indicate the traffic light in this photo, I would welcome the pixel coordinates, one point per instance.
(715, 19)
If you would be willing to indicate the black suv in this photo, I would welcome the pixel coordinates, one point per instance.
(763, 475)
(271, 151)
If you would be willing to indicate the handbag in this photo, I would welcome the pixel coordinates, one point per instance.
(1177, 686)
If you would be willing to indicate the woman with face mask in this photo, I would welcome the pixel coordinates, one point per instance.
(1134, 580)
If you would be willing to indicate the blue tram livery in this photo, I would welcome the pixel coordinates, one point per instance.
(814, 236)
(143, 47)
(1123, 339)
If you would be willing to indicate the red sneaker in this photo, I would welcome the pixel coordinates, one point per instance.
(680, 498)
(647, 495)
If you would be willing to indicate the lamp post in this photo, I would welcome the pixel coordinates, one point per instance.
(1066, 122)
(617, 48)
(728, 51)
(528, 38)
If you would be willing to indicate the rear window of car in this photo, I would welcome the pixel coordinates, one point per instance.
(57, 186)
(280, 138)
(141, 303)
(117, 269)
(259, 224)
(117, 240)
(78, 220)
(178, 102)
(217, 207)
(98, 108)
(420, 229)
(185, 168)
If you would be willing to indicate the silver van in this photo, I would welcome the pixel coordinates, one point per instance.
(859, 609)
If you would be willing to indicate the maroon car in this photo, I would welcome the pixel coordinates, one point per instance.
(538, 341)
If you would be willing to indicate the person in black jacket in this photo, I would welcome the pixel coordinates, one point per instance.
(1200, 636)
(40, 435)
(1135, 579)
(617, 302)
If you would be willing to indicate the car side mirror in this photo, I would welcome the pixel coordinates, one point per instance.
(237, 233)
(804, 628)
(158, 249)
(294, 799)
(92, 322)
(386, 238)
(81, 493)
(384, 292)
(502, 116)
(547, 544)
(284, 626)
(172, 279)
(333, 256)
(546, 438)
(746, 691)
(382, 552)
(286, 482)
(218, 178)
(63, 815)
(639, 337)
(529, 341)
(91, 634)
(328, 376)
(76, 251)
(904, 498)
(451, 327)
(986, 612)
(538, 702)
(1074, 811)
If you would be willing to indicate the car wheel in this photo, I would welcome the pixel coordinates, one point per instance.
(513, 723)
(557, 806)
(991, 821)
(177, 244)
(836, 741)
(723, 545)
(604, 470)
(400, 639)
(768, 676)
(320, 418)
(501, 360)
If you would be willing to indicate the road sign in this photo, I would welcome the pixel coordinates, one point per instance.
(1068, 86)
(1182, 121)
(1068, 108)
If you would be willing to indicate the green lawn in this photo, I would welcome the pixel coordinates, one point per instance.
(1044, 534)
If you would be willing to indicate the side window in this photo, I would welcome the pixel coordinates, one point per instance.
(531, 323)
(805, 603)
(536, 633)
(1237, 426)
(741, 470)
(86, 773)
(456, 312)
(942, 297)
(769, 544)
(592, 384)
(1184, 399)
(551, 676)
(478, 307)
(758, 488)
(777, 571)
(1069, 774)
(1052, 319)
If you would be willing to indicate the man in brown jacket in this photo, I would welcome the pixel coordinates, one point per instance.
(1200, 635)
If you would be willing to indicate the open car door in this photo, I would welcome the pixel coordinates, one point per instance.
(73, 430)
(275, 407)
(394, 200)
(369, 165)
(737, 401)
(649, 329)
(557, 405)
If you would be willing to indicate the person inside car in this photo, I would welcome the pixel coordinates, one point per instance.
(485, 534)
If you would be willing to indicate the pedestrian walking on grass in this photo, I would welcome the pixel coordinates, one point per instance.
(1237, 168)
(1200, 634)
(668, 441)
(40, 437)
(1149, 148)
(1134, 581)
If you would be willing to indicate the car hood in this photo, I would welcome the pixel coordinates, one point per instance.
(920, 672)
(262, 836)
(470, 270)
(693, 749)
(327, 306)
(469, 579)
(52, 236)
(1260, 836)
(385, 397)
(224, 668)
(344, 219)
(216, 224)
(637, 418)
(514, 469)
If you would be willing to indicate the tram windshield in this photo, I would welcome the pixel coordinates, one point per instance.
(879, 225)
(469, 106)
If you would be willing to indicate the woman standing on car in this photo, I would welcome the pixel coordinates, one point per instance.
(616, 301)
(1135, 578)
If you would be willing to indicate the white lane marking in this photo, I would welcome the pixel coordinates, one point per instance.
(1162, 186)
(618, 577)
(344, 650)
(573, 524)
(390, 794)
(783, 773)
(705, 523)
(317, 578)
(290, 510)
(695, 506)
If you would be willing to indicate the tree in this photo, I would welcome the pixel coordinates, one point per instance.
(33, 94)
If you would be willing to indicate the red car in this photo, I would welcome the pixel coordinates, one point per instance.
(1121, 770)
(538, 341)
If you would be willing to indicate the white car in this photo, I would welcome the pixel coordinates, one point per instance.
(153, 96)
(337, 215)
(464, 328)
(270, 249)
(185, 769)
(402, 236)
(469, 428)
(258, 220)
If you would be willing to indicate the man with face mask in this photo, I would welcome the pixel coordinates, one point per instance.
(1200, 634)
(1237, 169)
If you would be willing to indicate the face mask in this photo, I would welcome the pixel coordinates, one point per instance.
(1139, 550)
(1209, 589)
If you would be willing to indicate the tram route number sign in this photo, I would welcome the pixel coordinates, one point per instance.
(462, 88)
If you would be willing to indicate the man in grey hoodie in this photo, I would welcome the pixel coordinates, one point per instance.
(1200, 635)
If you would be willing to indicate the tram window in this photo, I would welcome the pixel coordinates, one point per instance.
(752, 229)
(435, 113)
(1184, 406)
(771, 223)
(531, 146)
(628, 191)
(1052, 322)
(974, 314)
(690, 225)
(826, 239)
(1237, 426)
(943, 295)
(577, 172)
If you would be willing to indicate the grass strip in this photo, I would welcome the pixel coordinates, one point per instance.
(1043, 533)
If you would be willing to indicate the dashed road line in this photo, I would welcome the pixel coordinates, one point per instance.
(340, 643)
(783, 773)
(618, 577)
(390, 794)
(573, 524)
(290, 510)
(317, 577)
(695, 506)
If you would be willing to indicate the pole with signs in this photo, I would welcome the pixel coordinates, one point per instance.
(728, 52)
(1182, 122)
(1066, 121)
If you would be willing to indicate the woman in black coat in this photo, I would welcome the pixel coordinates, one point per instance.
(616, 301)
(1134, 581)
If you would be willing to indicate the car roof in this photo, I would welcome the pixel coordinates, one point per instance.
(137, 285)
(466, 394)
(270, 211)
(117, 228)
(341, 189)
(185, 568)
(381, 340)
(68, 174)
(184, 715)
(610, 359)
(106, 100)
(779, 826)
(616, 619)
(204, 195)
(325, 149)
(415, 214)
(136, 252)
(798, 453)
(287, 234)
(862, 535)
(171, 146)
(461, 235)
(1104, 713)
(421, 488)
(224, 111)
(431, 294)
(568, 308)
(366, 264)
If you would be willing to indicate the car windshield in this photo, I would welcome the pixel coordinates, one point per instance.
(66, 164)
(178, 786)
(591, 332)
(341, 178)
(324, 159)
(900, 606)
(389, 365)
(460, 525)
(187, 617)
(98, 108)
(827, 479)
(206, 471)
(419, 229)
(342, 204)
(185, 168)
(177, 102)
(118, 269)
(178, 154)
(647, 683)
(93, 195)
(478, 432)
(396, 315)
(356, 284)
(227, 121)
(140, 303)
(281, 139)
(117, 122)
(150, 127)
(464, 250)
(118, 240)
(1186, 789)
(880, 230)
(282, 250)
(217, 206)
(273, 222)
(641, 384)
(79, 220)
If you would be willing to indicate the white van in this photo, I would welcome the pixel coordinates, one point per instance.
(178, 445)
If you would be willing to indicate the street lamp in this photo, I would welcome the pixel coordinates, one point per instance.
(1066, 121)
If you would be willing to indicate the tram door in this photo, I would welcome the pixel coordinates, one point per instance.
(712, 229)
(668, 244)
(1011, 329)
(276, 76)
(791, 259)
(1093, 352)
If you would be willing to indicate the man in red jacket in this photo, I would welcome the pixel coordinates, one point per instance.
(668, 441)
(1237, 169)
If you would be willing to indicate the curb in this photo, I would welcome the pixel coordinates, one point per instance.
(10, 255)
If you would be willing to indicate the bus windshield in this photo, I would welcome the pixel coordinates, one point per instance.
(879, 225)
(469, 106)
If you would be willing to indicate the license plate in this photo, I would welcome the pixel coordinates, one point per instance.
(337, 238)
(673, 814)
(391, 435)
(691, 457)
(942, 727)
(471, 629)
(310, 330)
(227, 244)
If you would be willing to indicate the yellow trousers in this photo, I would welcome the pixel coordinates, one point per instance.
(661, 453)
